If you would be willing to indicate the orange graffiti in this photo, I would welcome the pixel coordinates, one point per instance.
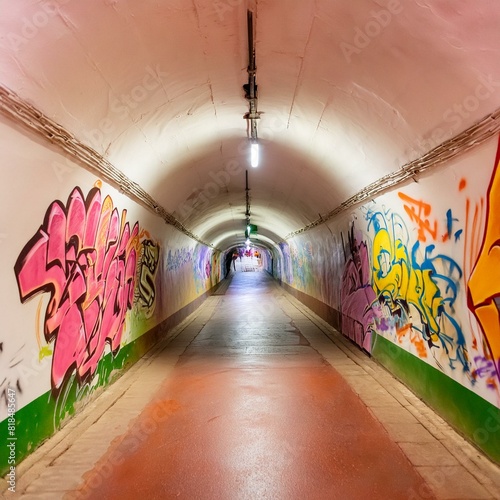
(484, 282)
(401, 332)
(414, 339)
(420, 346)
(417, 210)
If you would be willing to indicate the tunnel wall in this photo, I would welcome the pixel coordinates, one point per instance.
(89, 282)
(267, 258)
(412, 277)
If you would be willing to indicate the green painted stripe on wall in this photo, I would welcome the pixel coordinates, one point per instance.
(477, 419)
(45, 415)
(42, 417)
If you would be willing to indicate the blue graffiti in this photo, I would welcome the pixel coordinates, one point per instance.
(416, 289)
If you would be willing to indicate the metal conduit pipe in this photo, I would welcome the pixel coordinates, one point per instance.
(251, 87)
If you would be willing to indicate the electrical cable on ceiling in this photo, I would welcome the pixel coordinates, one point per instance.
(252, 116)
(15, 108)
(444, 152)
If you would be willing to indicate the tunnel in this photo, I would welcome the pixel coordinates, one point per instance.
(318, 174)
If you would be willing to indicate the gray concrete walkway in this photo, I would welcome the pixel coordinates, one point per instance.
(451, 468)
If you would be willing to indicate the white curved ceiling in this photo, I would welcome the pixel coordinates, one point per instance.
(349, 91)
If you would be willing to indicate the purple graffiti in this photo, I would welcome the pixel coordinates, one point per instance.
(357, 295)
(84, 256)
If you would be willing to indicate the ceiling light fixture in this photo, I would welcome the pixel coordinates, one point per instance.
(254, 154)
(250, 89)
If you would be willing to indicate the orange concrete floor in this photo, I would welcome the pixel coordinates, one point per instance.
(252, 411)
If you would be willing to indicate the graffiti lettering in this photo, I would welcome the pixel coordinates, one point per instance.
(287, 262)
(486, 368)
(416, 291)
(297, 260)
(84, 256)
(146, 291)
(177, 259)
(357, 294)
(417, 210)
(202, 267)
(450, 220)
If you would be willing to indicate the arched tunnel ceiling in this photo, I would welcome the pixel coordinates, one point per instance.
(349, 92)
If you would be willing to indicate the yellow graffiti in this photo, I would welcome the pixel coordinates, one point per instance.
(396, 279)
(45, 352)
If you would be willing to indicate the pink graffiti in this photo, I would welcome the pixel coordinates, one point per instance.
(84, 256)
